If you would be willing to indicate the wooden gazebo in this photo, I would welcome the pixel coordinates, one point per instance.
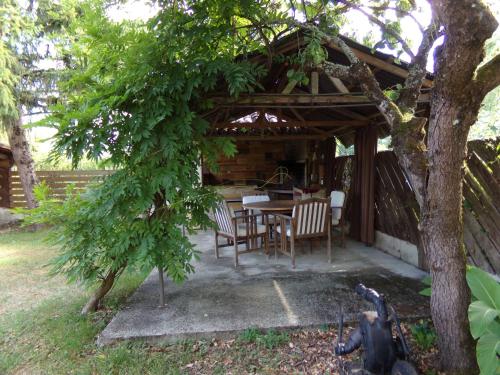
(324, 109)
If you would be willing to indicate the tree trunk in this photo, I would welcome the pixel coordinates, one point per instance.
(442, 237)
(23, 159)
(106, 285)
(455, 103)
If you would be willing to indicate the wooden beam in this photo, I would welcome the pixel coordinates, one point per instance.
(289, 87)
(266, 99)
(314, 83)
(351, 114)
(297, 114)
(271, 137)
(381, 64)
(339, 85)
(289, 124)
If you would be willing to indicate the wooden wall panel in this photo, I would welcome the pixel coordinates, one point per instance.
(255, 163)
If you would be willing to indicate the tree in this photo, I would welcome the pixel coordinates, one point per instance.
(138, 93)
(134, 97)
(29, 33)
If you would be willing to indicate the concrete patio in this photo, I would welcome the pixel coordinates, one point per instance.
(219, 300)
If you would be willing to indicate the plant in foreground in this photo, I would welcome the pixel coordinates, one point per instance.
(484, 317)
(424, 334)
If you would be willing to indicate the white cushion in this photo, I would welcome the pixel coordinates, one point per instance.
(242, 229)
(278, 229)
(255, 198)
(337, 198)
(336, 201)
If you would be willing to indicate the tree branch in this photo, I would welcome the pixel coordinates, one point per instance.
(382, 26)
(417, 69)
(487, 76)
(403, 12)
(337, 70)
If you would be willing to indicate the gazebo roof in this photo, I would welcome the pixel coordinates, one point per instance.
(326, 107)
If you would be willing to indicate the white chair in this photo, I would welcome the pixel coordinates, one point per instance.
(337, 204)
(253, 198)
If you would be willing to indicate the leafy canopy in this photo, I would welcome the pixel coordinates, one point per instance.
(135, 98)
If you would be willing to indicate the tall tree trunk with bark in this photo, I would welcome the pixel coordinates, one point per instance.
(456, 99)
(442, 239)
(23, 159)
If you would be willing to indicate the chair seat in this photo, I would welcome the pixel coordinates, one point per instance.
(288, 233)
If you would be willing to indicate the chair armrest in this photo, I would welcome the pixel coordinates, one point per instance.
(248, 216)
(236, 212)
(281, 216)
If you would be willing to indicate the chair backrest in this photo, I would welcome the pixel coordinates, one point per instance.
(223, 217)
(311, 217)
(337, 200)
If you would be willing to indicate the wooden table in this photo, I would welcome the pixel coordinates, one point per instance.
(271, 206)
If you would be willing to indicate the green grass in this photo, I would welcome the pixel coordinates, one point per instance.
(47, 335)
(270, 339)
(42, 331)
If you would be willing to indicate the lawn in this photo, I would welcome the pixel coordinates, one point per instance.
(42, 332)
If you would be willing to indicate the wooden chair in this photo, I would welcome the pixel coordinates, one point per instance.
(337, 204)
(238, 229)
(310, 219)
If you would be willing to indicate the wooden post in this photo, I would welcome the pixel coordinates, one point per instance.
(162, 287)
(362, 214)
(329, 147)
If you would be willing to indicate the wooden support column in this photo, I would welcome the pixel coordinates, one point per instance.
(329, 147)
(363, 203)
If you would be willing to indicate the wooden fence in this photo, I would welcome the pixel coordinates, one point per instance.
(56, 180)
(397, 211)
(482, 205)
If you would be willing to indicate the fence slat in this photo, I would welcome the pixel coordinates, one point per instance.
(58, 182)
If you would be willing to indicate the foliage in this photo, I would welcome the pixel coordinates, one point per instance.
(484, 317)
(428, 282)
(31, 66)
(270, 340)
(424, 335)
(135, 97)
(249, 335)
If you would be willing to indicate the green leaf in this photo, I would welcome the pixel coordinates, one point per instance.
(480, 317)
(484, 287)
(488, 350)
(425, 292)
(427, 280)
